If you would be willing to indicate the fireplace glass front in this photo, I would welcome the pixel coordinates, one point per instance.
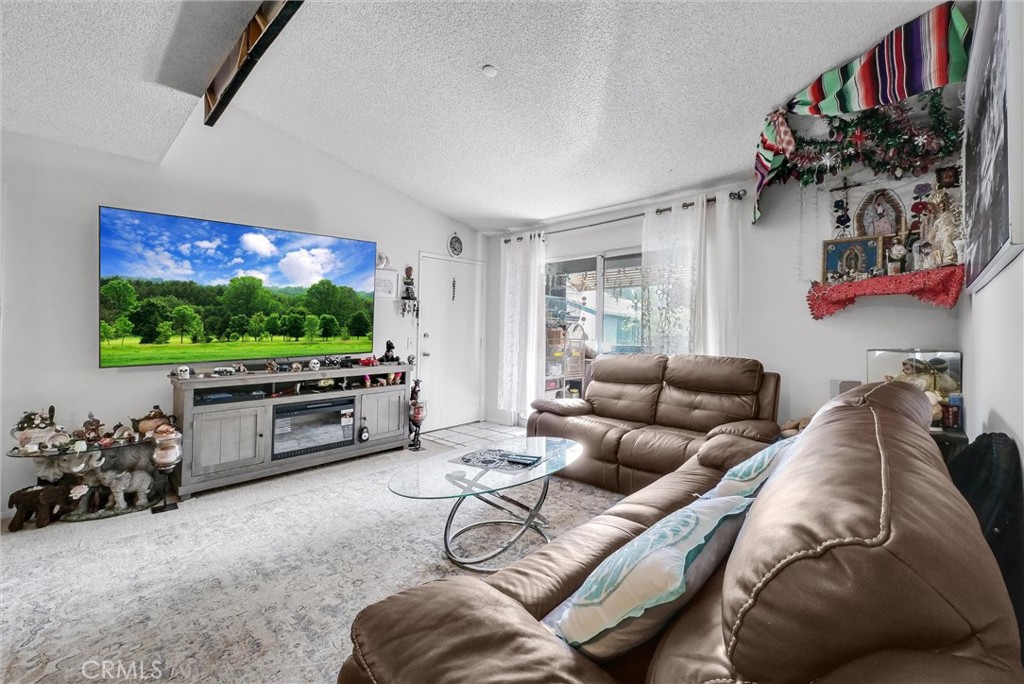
(309, 427)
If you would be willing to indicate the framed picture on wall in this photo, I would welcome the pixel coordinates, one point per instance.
(385, 284)
(991, 128)
(879, 213)
(851, 259)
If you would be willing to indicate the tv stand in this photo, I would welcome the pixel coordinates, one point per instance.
(228, 422)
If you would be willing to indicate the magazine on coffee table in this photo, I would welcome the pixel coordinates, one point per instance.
(497, 459)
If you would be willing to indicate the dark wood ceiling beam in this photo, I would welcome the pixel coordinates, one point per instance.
(257, 36)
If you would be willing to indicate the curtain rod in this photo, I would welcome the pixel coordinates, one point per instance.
(738, 195)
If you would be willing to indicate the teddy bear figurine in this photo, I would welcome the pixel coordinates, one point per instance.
(46, 502)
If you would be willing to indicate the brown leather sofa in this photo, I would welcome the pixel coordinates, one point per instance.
(859, 561)
(644, 415)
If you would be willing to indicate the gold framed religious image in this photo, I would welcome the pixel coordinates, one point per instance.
(851, 259)
(880, 213)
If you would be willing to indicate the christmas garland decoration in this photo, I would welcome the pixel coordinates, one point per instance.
(883, 139)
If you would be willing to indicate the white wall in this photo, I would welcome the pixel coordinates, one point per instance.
(992, 338)
(240, 171)
(777, 328)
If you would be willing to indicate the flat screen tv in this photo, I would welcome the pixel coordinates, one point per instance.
(177, 291)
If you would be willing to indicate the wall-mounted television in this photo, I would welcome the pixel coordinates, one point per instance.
(176, 291)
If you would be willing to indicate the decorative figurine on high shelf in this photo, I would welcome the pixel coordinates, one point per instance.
(417, 414)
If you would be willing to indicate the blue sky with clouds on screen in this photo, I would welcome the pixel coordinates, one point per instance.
(156, 246)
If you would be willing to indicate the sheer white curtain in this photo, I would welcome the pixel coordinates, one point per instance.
(671, 262)
(718, 324)
(691, 270)
(521, 340)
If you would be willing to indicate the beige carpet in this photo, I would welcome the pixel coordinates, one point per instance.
(254, 583)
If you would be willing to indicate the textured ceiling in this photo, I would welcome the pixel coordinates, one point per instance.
(594, 104)
(120, 77)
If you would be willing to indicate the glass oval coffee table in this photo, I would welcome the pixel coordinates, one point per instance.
(484, 473)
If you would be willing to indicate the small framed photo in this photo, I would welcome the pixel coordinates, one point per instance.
(851, 259)
(385, 284)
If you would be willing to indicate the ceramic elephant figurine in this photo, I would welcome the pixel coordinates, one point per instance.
(137, 482)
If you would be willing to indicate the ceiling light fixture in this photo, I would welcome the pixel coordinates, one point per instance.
(489, 71)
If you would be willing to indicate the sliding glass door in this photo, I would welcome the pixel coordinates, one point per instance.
(592, 306)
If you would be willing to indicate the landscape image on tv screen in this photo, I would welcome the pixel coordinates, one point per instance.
(176, 290)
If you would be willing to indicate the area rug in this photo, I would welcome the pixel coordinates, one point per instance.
(254, 583)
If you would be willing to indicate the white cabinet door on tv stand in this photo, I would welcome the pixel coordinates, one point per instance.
(228, 439)
(386, 414)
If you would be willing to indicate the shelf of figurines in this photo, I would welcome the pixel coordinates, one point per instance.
(92, 472)
(938, 286)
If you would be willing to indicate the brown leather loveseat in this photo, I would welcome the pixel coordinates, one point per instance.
(644, 415)
(858, 562)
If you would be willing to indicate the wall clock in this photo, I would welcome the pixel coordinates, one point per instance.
(455, 245)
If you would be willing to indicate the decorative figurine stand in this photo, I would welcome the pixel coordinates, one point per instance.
(165, 458)
(417, 414)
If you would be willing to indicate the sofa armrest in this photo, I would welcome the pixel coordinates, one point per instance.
(900, 666)
(563, 407)
(459, 629)
(761, 430)
(723, 451)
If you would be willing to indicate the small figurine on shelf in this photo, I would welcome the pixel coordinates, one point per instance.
(366, 381)
(151, 421)
(272, 366)
(389, 353)
(896, 257)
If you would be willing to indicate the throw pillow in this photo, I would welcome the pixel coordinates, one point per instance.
(635, 591)
(747, 477)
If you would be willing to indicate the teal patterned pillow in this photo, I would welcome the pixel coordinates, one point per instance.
(744, 479)
(637, 589)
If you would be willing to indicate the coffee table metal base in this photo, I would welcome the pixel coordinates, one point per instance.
(526, 518)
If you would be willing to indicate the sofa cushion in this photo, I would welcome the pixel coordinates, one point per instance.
(654, 449)
(637, 589)
(860, 520)
(719, 374)
(702, 392)
(447, 625)
(626, 386)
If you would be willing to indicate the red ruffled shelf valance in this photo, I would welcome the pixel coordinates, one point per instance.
(938, 286)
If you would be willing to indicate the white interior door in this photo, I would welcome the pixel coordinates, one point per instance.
(450, 350)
